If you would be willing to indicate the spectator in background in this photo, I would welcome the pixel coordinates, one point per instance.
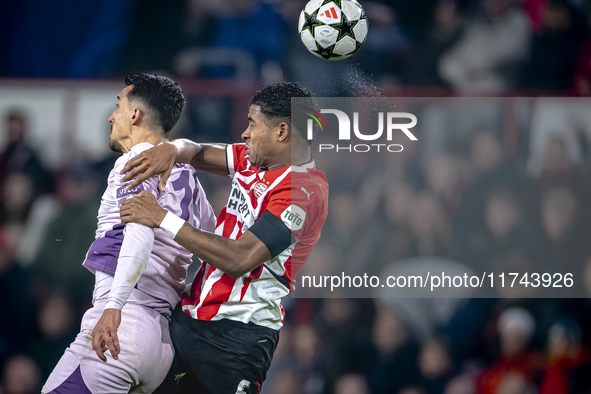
(391, 362)
(566, 354)
(20, 376)
(285, 382)
(415, 16)
(505, 227)
(298, 362)
(492, 170)
(429, 226)
(535, 12)
(563, 246)
(462, 384)
(393, 222)
(307, 352)
(68, 234)
(555, 49)
(55, 320)
(436, 365)
(18, 195)
(341, 321)
(352, 246)
(18, 326)
(558, 169)
(416, 226)
(387, 48)
(449, 22)
(582, 80)
(517, 364)
(445, 180)
(488, 56)
(19, 156)
(197, 31)
(352, 384)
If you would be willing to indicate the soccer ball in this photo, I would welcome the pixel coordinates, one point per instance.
(333, 29)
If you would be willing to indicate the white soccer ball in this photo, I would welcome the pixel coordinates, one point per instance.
(333, 29)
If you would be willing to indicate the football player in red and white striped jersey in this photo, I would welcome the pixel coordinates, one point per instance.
(226, 328)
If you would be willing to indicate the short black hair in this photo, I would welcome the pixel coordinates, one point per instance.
(163, 96)
(275, 103)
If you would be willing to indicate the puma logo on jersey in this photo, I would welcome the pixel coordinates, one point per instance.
(248, 164)
(305, 191)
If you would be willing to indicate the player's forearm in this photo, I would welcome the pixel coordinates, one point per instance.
(129, 270)
(211, 158)
(133, 257)
(186, 150)
(203, 157)
(234, 257)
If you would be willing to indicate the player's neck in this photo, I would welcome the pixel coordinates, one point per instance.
(295, 157)
(140, 136)
(300, 152)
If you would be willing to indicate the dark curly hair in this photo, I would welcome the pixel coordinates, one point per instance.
(163, 97)
(275, 103)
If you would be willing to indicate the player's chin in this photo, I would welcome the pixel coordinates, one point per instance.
(253, 160)
(115, 146)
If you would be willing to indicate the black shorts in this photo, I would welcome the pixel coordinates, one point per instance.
(218, 357)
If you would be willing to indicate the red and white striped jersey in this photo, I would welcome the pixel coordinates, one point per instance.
(298, 195)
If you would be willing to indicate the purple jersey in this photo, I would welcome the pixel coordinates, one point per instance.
(163, 280)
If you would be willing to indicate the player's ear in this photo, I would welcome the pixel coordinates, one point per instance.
(136, 116)
(283, 130)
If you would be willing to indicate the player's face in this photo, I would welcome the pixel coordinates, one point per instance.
(120, 121)
(259, 137)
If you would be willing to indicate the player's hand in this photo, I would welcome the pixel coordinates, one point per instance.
(104, 335)
(143, 209)
(154, 161)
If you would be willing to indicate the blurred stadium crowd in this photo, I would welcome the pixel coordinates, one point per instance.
(469, 45)
(476, 200)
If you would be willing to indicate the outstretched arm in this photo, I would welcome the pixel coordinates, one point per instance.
(135, 252)
(160, 159)
(234, 257)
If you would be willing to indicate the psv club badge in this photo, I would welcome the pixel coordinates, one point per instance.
(259, 189)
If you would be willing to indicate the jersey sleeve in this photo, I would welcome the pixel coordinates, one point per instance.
(295, 211)
(270, 228)
(291, 206)
(235, 158)
(138, 240)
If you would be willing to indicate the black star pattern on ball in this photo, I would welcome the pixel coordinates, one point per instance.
(345, 28)
(310, 23)
(323, 52)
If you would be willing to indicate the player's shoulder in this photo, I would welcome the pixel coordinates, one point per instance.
(133, 152)
(178, 167)
(237, 150)
(309, 180)
(240, 158)
(139, 148)
(238, 146)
